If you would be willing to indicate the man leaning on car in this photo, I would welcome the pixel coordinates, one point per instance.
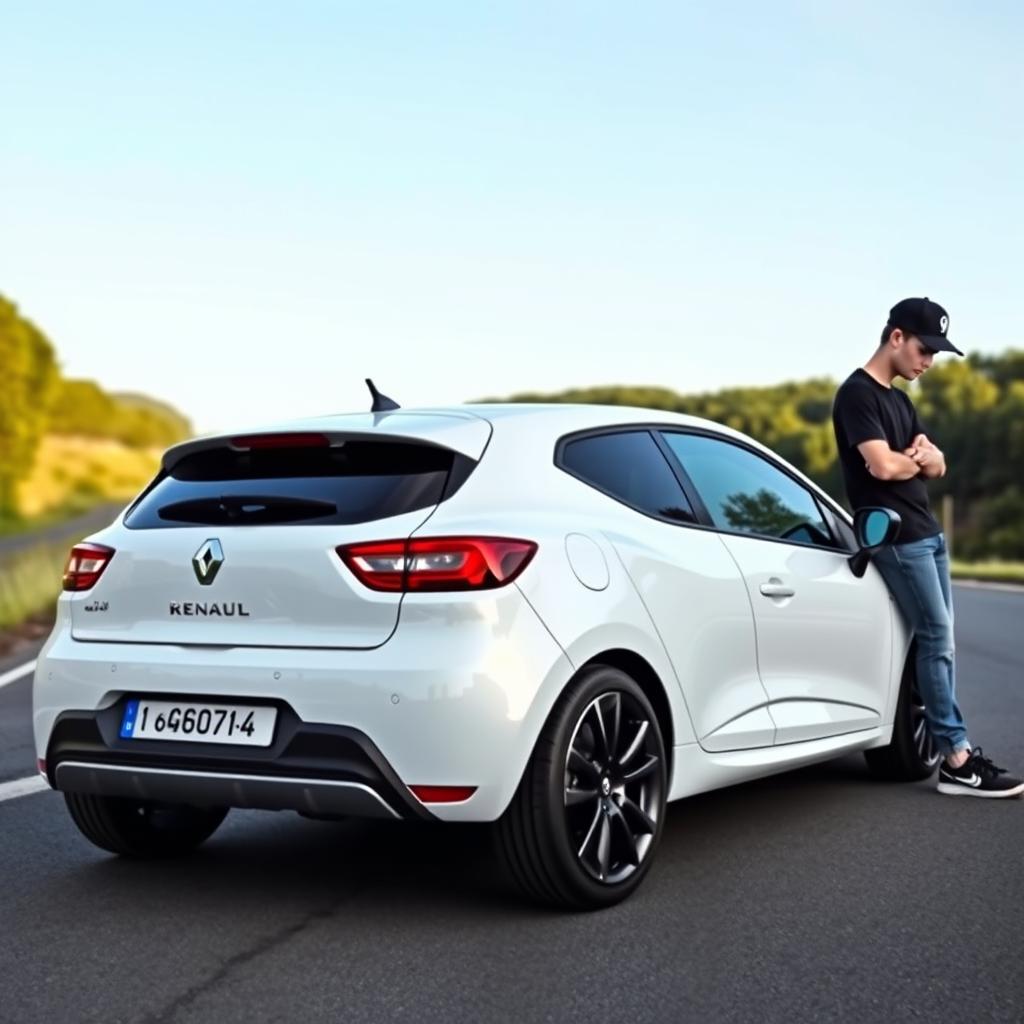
(886, 458)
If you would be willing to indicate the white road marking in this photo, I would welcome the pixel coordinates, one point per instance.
(17, 673)
(22, 787)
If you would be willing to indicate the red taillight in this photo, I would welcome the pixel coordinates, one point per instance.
(85, 565)
(438, 563)
(442, 794)
(253, 441)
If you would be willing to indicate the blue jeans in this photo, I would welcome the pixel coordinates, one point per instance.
(917, 574)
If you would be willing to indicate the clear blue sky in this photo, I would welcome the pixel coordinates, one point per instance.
(246, 208)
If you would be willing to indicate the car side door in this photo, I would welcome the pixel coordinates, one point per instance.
(824, 636)
(688, 582)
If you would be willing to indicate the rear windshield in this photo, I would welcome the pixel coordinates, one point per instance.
(356, 482)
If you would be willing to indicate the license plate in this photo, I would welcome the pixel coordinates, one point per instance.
(240, 724)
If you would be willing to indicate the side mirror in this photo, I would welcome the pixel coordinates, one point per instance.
(873, 528)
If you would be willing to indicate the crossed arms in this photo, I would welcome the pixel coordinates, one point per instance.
(922, 458)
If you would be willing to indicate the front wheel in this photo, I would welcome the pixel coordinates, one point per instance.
(912, 754)
(142, 828)
(584, 824)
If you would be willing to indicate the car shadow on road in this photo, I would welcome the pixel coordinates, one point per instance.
(415, 866)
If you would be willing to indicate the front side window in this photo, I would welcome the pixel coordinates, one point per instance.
(630, 467)
(745, 493)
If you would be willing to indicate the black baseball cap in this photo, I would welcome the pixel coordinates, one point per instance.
(926, 320)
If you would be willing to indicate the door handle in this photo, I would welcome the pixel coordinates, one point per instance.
(776, 588)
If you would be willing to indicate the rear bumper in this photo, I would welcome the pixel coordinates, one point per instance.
(457, 697)
(316, 769)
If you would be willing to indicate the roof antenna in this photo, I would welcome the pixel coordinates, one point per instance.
(381, 403)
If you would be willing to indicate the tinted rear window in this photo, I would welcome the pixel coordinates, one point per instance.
(629, 466)
(356, 482)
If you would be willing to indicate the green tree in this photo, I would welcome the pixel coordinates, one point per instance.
(82, 408)
(30, 376)
(144, 422)
(85, 409)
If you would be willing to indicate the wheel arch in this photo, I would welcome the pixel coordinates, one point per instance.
(643, 674)
(640, 670)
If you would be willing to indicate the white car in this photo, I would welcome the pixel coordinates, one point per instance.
(556, 618)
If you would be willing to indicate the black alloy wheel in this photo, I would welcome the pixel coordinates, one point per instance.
(924, 744)
(612, 787)
(585, 822)
(911, 755)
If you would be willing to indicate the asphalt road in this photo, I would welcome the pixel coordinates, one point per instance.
(817, 895)
(71, 531)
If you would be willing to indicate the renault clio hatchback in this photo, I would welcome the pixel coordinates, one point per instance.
(554, 618)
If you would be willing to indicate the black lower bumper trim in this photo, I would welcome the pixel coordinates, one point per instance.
(221, 789)
(309, 767)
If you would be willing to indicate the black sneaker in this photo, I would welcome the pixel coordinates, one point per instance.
(978, 776)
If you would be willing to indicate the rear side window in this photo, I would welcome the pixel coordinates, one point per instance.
(355, 482)
(630, 467)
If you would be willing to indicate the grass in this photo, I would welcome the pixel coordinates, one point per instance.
(989, 572)
(30, 582)
(71, 474)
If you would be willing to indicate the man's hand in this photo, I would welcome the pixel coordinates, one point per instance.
(926, 455)
(883, 463)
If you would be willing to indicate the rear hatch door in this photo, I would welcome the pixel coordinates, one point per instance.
(235, 542)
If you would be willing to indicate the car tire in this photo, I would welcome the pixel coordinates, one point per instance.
(585, 822)
(912, 754)
(142, 828)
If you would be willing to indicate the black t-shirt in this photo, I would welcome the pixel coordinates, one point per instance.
(865, 410)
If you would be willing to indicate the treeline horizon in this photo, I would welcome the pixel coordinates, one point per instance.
(38, 400)
(973, 408)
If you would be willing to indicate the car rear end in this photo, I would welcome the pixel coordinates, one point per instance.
(273, 624)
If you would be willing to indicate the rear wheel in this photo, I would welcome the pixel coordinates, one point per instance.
(142, 828)
(584, 824)
(912, 754)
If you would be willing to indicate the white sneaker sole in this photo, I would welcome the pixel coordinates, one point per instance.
(955, 789)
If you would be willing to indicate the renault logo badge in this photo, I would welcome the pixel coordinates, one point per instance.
(207, 561)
